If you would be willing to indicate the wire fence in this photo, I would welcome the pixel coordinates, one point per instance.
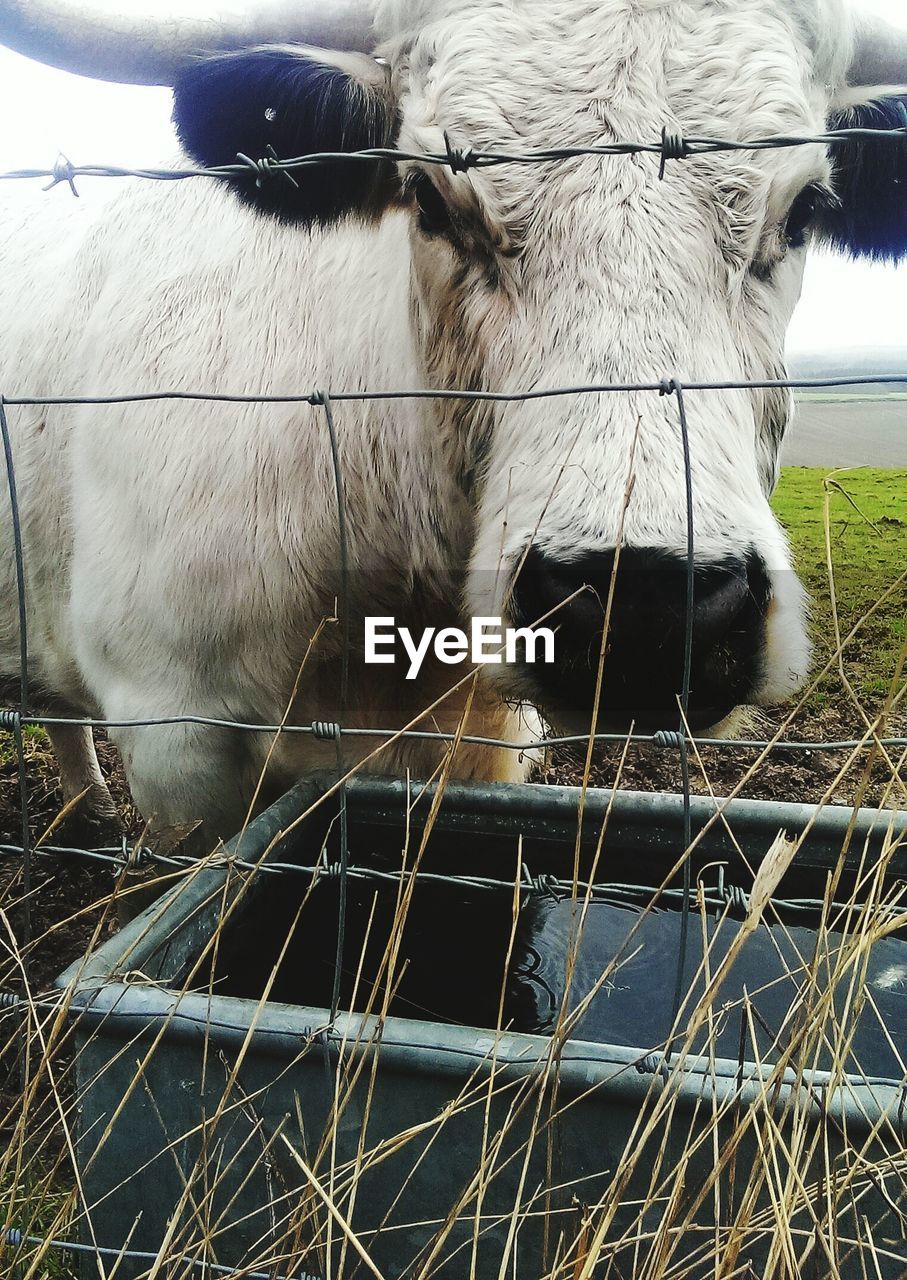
(672, 148)
(721, 897)
(11, 719)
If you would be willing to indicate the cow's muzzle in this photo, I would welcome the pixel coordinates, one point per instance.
(642, 676)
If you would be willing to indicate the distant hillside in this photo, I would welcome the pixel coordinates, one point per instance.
(858, 362)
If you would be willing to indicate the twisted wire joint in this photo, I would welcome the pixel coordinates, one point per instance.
(673, 147)
(132, 859)
(653, 1065)
(325, 731)
(736, 897)
(267, 167)
(543, 886)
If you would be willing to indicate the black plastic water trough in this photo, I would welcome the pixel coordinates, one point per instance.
(162, 1026)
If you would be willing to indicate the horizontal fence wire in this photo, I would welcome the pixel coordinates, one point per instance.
(671, 147)
(662, 387)
(13, 1238)
(721, 897)
(664, 739)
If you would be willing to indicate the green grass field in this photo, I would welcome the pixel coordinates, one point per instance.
(868, 534)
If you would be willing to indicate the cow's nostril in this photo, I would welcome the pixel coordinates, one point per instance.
(719, 597)
(559, 594)
(643, 674)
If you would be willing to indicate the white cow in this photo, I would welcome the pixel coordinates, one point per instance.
(180, 556)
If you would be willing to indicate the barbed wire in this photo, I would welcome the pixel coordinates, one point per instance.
(672, 147)
(721, 896)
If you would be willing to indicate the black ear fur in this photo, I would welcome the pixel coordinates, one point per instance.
(870, 179)
(268, 102)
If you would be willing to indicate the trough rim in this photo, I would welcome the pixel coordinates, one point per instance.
(112, 994)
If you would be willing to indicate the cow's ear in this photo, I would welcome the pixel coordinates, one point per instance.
(285, 102)
(870, 179)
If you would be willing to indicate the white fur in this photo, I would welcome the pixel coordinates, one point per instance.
(181, 556)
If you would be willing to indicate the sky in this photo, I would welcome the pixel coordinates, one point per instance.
(46, 112)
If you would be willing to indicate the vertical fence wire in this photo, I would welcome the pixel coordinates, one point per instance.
(675, 387)
(23, 686)
(323, 399)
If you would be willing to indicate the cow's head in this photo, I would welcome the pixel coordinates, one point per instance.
(584, 271)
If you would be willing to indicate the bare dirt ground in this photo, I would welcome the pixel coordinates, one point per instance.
(787, 776)
(69, 895)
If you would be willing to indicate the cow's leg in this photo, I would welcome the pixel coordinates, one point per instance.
(80, 775)
(191, 783)
(181, 775)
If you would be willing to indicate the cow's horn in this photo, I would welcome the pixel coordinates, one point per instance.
(880, 55)
(141, 42)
